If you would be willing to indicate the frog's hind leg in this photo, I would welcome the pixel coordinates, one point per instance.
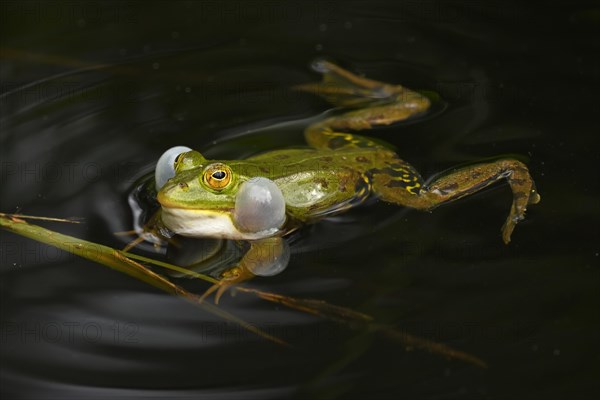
(375, 103)
(400, 183)
(344, 89)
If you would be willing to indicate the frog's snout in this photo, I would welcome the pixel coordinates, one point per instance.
(161, 198)
(165, 195)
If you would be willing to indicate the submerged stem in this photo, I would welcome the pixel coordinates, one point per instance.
(124, 262)
(119, 261)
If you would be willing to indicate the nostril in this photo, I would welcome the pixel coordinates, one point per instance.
(183, 186)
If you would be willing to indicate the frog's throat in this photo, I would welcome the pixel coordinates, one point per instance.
(210, 224)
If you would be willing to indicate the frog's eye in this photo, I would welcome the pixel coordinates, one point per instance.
(217, 176)
(165, 167)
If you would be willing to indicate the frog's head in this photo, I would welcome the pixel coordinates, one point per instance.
(217, 199)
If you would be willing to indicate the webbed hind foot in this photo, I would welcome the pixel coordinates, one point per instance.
(402, 185)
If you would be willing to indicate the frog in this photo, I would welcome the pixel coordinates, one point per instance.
(263, 198)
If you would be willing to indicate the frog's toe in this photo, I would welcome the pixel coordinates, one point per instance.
(209, 291)
(509, 225)
(133, 243)
(220, 288)
(220, 291)
(507, 230)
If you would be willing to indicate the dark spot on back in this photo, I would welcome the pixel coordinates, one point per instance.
(345, 182)
(322, 182)
(337, 142)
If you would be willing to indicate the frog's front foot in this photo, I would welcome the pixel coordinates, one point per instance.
(152, 231)
(266, 257)
(229, 278)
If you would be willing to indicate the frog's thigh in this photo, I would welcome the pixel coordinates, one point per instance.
(460, 183)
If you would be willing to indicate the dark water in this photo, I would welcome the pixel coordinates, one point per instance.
(93, 93)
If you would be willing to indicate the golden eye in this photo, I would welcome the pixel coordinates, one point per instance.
(217, 176)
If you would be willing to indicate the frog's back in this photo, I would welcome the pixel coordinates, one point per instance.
(318, 183)
(360, 159)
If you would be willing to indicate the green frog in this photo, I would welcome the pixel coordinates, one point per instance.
(263, 198)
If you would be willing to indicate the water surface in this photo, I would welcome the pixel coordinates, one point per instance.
(92, 95)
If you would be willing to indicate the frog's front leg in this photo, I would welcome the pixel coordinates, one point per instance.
(266, 257)
(397, 182)
(152, 231)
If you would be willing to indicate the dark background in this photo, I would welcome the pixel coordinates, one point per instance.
(93, 92)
